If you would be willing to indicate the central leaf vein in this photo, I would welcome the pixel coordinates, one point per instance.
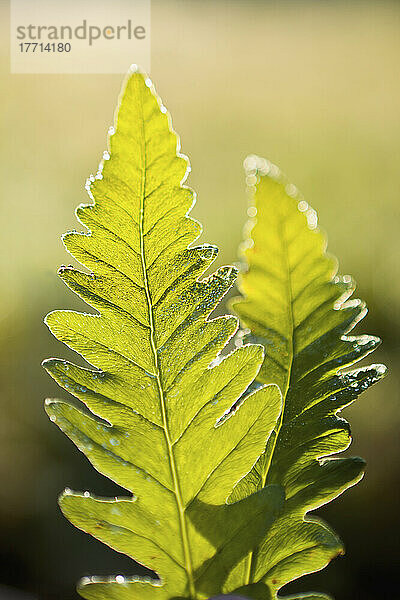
(275, 434)
(171, 457)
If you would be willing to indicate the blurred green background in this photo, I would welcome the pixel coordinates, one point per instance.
(312, 85)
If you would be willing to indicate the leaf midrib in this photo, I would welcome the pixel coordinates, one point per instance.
(174, 473)
(275, 433)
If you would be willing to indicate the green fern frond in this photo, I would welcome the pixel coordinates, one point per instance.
(295, 305)
(153, 400)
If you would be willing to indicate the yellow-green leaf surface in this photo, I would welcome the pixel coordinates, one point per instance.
(167, 432)
(295, 305)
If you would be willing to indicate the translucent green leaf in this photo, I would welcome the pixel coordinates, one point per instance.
(295, 305)
(160, 418)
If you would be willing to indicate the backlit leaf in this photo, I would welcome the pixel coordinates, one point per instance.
(155, 417)
(295, 305)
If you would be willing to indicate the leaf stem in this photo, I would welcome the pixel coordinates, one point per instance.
(174, 473)
(271, 444)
